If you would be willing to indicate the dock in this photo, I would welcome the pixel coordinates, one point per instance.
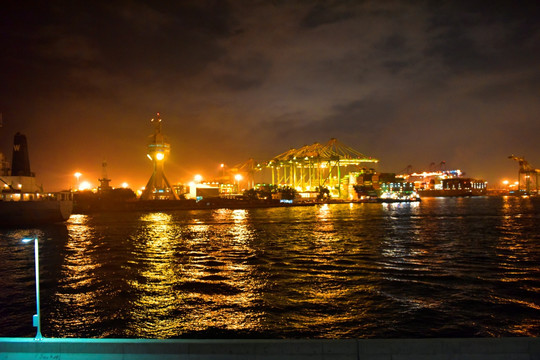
(519, 348)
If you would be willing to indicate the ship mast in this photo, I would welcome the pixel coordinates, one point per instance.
(104, 182)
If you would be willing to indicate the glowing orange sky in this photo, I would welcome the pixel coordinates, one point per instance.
(407, 83)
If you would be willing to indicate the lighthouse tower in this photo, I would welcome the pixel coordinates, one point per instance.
(158, 187)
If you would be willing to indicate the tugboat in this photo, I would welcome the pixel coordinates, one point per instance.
(22, 201)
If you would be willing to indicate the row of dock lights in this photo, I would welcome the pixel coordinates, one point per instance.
(85, 185)
(197, 179)
(507, 184)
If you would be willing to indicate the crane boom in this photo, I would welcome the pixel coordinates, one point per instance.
(529, 174)
(524, 165)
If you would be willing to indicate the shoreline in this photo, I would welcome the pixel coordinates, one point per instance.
(207, 204)
(100, 206)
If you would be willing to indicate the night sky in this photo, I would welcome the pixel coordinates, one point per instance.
(406, 82)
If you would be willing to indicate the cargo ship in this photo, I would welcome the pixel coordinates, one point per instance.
(22, 201)
(446, 183)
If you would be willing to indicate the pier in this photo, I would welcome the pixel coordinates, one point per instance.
(520, 348)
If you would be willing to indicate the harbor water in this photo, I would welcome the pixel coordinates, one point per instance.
(444, 267)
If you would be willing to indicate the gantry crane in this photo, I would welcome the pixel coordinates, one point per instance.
(527, 175)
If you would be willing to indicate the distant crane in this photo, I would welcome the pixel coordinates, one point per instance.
(433, 166)
(442, 166)
(527, 175)
(407, 171)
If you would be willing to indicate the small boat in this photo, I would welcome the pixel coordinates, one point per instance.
(22, 201)
(397, 197)
(403, 200)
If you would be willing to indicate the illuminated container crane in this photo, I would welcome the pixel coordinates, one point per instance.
(316, 165)
(158, 187)
(527, 175)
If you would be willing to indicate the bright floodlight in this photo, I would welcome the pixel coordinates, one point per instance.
(160, 156)
(125, 185)
(238, 177)
(198, 178)
(85, 185)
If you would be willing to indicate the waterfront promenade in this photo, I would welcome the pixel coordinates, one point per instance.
(523, 348)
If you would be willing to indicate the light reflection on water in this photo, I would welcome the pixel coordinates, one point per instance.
(154, 303)
(189, 277)
(442, 267)
(77, 286)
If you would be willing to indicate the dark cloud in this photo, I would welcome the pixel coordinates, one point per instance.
(475, 37)
(243, 74)
(327, 13)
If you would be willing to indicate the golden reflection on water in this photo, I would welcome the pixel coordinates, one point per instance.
(76, 282)
(517, 251)
(311, 281)
(154, 258)
(240, 231)
(324, 226)
(215, 266)
(189, 277)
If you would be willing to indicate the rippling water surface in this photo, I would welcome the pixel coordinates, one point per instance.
(445, 267)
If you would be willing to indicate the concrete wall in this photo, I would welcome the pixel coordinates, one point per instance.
(365, 349)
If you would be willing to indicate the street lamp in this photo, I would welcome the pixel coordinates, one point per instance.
(78, 176)
(238, 178)
(36, 318)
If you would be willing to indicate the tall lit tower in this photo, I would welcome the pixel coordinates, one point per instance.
(158, 187)
(104, 182)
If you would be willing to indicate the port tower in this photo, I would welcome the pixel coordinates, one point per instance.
(104, 181)
(158, 187)
(527, 176)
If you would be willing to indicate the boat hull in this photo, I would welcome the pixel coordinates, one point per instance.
(451, 193)
(25, 213)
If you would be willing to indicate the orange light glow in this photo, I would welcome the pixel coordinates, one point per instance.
(85, 185)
